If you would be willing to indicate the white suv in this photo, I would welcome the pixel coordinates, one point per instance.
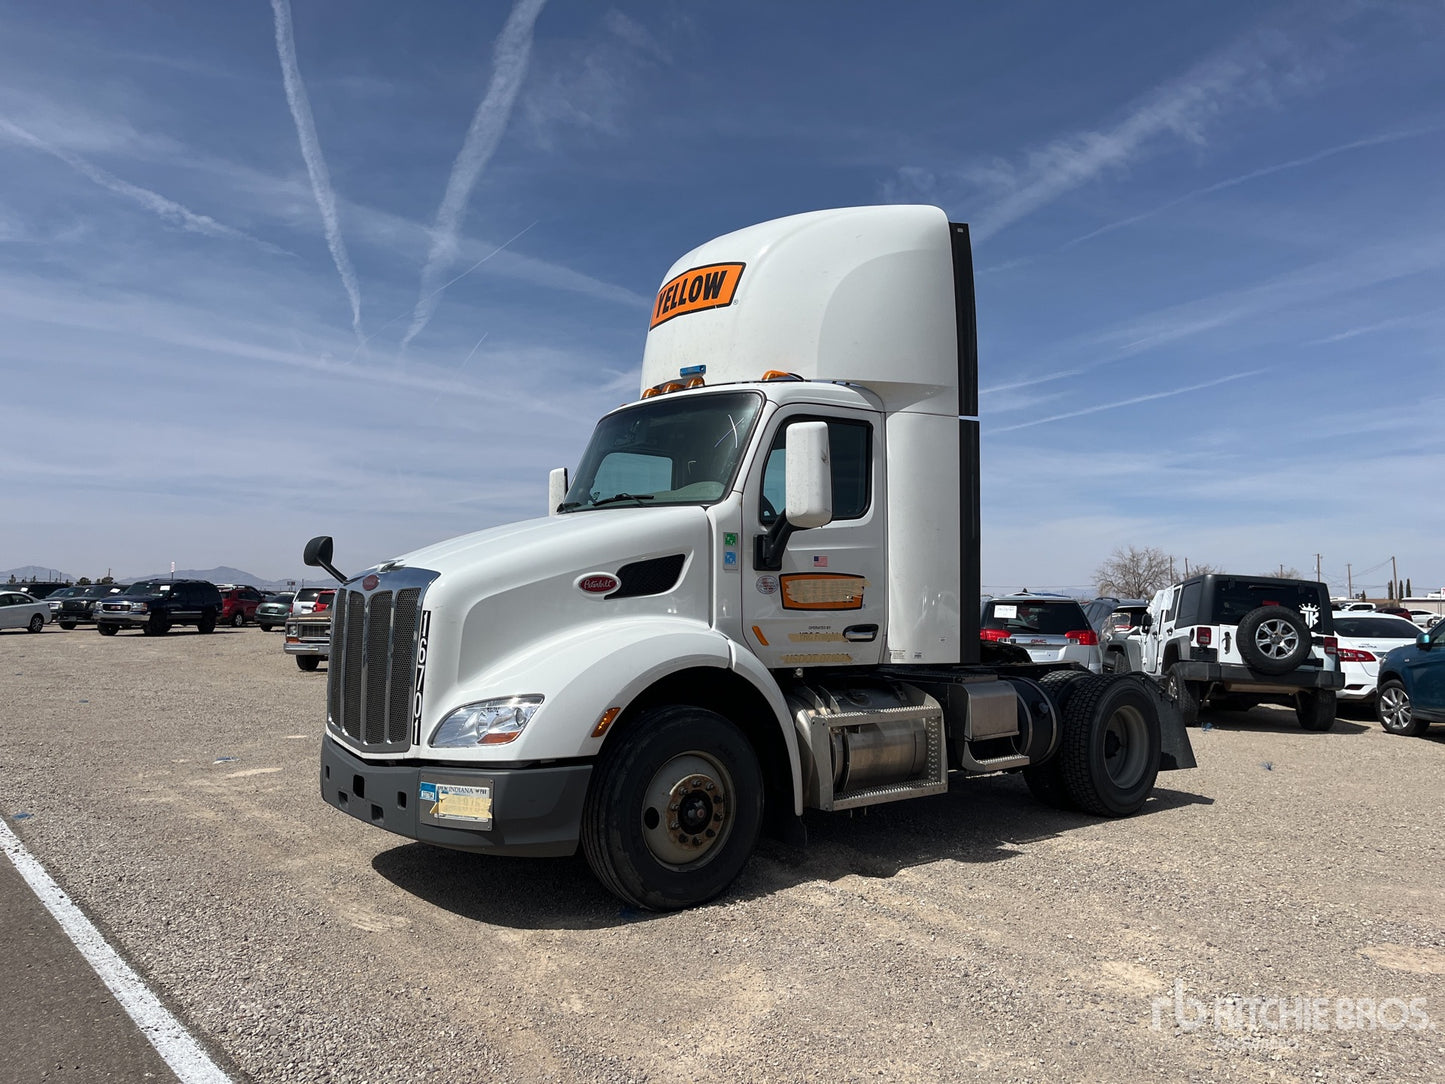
(1051, 628)
(1238, 641)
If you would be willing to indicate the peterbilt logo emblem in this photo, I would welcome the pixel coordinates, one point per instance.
(369, 584)
(598, 583)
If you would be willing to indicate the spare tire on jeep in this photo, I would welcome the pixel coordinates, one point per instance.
(1273, 639)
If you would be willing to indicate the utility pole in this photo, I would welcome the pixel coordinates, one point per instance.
(1317, 566)
(1350, 579)
(1394, 572)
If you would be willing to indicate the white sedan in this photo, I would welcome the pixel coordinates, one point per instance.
(19, 611)
(1364, 639)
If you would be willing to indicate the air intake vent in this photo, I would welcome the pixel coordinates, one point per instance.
(651, 577)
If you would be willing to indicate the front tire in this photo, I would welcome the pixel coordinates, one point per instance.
(106, 630)
(67, 625)
(156, 626)
(308, 662)
(1392, 708)
(1111, 742)
(674, 809)
(207, 623)
(1316, 709)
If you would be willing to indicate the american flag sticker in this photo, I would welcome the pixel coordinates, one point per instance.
(820, 562)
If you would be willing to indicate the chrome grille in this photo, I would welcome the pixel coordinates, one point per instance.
(371, 686)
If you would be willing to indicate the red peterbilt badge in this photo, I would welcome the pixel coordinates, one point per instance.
(369, 584)
(599, 583)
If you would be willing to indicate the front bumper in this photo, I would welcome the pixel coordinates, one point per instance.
(529, 812)
(1234, 674)
(129, 618)
(308, 647)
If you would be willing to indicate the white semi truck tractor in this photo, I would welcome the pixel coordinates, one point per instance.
(758, 594)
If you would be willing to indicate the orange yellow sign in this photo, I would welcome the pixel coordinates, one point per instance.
(822, 591)
(709, 287)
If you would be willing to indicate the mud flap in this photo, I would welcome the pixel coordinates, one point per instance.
(1175, 752)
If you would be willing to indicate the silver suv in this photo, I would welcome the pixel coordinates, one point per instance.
(1051, 628)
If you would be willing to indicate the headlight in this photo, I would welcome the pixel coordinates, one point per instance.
(140, 607)
(488, 722)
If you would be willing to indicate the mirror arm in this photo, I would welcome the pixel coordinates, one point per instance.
(768, 548)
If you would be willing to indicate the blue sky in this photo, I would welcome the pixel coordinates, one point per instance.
(371, 269)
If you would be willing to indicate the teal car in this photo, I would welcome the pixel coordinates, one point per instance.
(1411, 686)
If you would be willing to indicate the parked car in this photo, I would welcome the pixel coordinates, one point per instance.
(1364, 639)
(156, 606)
(79, 608)
(1051, 628)
(1424, 618)
(239, 603)
(308, 638)
(1393, 611)
(1411, 690)
(20, 611)
(274, 610)
(1117, 620)
(1351, 606)
(56, 597)
(306, 598)
(1238, 641)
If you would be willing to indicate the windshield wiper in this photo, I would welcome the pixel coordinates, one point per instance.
(622, 497)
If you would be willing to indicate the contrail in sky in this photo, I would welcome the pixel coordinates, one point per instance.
(167, 209)
(311, 152)
(509, 66)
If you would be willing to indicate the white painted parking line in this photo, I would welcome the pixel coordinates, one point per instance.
(181, 1052)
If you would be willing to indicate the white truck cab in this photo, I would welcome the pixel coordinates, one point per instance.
(753, 596)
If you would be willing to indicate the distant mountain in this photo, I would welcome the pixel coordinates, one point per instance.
(29, 573)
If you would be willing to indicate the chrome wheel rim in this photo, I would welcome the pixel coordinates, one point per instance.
(1394, 709)
(1276, 639)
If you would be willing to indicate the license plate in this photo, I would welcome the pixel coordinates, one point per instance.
(452, 802)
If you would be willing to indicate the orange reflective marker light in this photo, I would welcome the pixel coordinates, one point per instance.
(607, 719)
(697, 289)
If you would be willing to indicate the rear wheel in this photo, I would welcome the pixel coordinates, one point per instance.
(1315, 709)
(1116, 662)
(1046, 781)
(36, 623)
(674, 809)
(1110, 750)
(1183, 694)
(238, 619)
(1393, 709)
(265, 627)
(308, 662)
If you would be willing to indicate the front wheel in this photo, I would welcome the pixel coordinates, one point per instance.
(67, 625)
(674, 809)
(106, 630)
(265, 627)
(1392, 706)
(308, 662)
(36, 623)
(1316, 709)
(208, 621)
(156, 626)
(1111, 742)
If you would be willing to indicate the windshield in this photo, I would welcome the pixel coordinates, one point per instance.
(670, 450)
(148, 587)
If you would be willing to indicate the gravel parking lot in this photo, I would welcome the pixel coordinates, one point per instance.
(1275, 915)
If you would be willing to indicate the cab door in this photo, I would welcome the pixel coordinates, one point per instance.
(828, 603)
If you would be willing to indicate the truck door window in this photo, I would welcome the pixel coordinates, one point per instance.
(850, 458)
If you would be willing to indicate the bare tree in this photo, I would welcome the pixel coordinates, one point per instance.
(1131, 572)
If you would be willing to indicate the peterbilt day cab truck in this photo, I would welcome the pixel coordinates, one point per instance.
(758, 595)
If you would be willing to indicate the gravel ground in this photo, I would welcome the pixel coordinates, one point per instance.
(169, 784)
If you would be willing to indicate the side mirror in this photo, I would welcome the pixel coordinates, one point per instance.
(1426, 639)
(809, 476)
(556, 490)
(318, 555)
(1146, 621)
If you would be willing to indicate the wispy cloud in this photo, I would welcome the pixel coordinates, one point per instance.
(1131, 401)
(1256, 174)
(167, 209)
(509, 66)
(311, 153)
